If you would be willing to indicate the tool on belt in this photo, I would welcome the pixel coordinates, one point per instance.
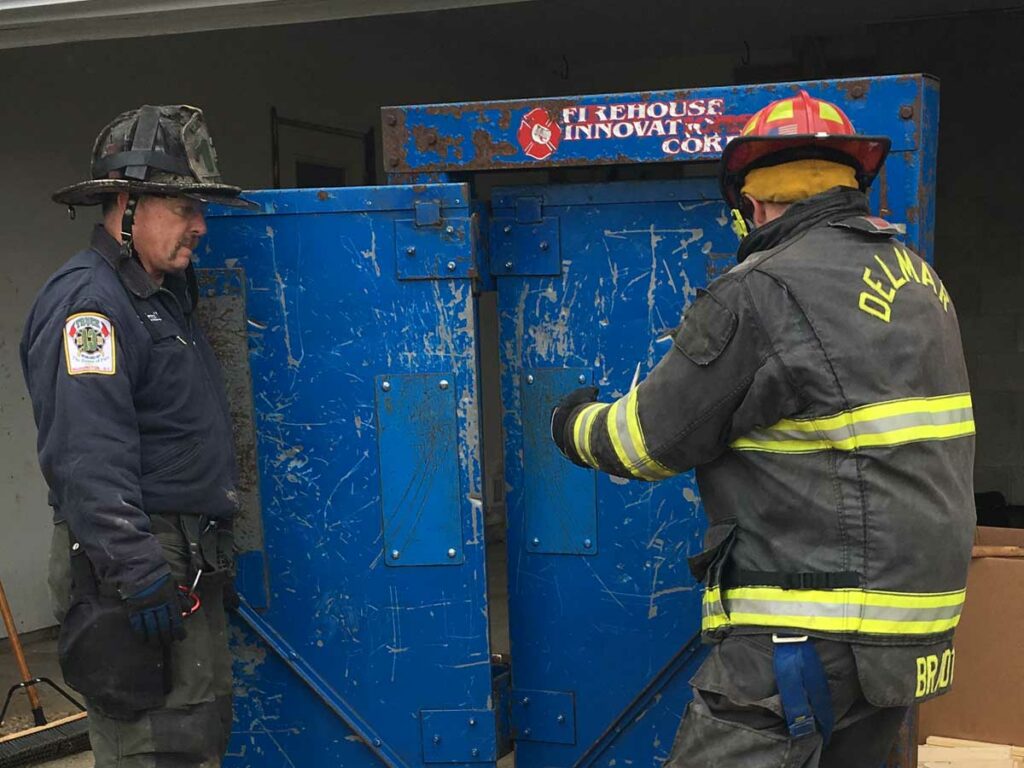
(803, 687)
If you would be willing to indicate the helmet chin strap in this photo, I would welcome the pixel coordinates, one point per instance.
(128, 226)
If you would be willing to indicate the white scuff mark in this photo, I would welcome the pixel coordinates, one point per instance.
(481, 663)
(293, 361)
(476, 514)
(396, 630)
(371, 253)
(603, 585)
(343, 478)
(690, 496)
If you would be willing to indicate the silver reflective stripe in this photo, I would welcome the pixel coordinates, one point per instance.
(838, 611)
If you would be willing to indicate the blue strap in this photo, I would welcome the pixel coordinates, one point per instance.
(803, 689)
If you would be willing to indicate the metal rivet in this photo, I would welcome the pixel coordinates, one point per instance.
(451, 554)
(450, 229)
(507, 229)
(560, 718)
(392, 120)
(437, 739)
(582, 379)
(394, 554)
(536, 543)
(75, 547)
(587, 543)
(527, 732)
(474, 752)
(293, 655)
(526, 701)
(472, 721)
(529, 379)
(432, 139)
(443, 384)
(411, 250)
(386, 386)
(377, 742)
(508, 266)
(544, 245)
(858, 91)
(906, 112)
(393, 162)
(451, 266)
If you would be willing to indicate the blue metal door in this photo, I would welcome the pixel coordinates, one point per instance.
(604, 615)
(363, 634)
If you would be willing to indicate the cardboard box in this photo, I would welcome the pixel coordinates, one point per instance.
(987, 699)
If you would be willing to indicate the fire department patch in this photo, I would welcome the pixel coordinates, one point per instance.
(89, 344)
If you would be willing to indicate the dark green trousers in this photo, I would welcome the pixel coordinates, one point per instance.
(192, 729)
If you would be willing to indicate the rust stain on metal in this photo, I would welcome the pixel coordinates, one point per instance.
(428, 140)
(322, 195)
(487, 149)
(394, 137)
(857, 90)
(505, 119)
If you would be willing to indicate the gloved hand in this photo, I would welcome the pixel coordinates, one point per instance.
(560, 418)
(155, 612)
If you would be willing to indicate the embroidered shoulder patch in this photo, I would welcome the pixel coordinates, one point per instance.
(89, 344)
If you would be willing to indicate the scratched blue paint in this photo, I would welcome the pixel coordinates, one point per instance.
(419, 463)
(601, 626)
(327, 314)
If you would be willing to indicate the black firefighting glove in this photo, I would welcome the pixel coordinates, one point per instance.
(561, 415)
(155, 612)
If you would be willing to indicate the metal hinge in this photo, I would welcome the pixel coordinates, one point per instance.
(526, 243)
(544, 716)
(432, 247)
(459, 735)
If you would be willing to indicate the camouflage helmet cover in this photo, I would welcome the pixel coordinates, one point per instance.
(154, 150)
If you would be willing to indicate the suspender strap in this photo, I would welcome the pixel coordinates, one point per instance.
(803, 688)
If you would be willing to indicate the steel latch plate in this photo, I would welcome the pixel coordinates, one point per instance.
(458, 735)
(417, 434)
(437, 252)
(525, 249)
(560, 497)
(544, 716)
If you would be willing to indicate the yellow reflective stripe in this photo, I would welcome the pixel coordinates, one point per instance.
(781, 111)
(889, 423)
(582, 430)
(645, 464)
(848, 624)
(779, 608)
(877, 411)
(878, 440)
(850, 597)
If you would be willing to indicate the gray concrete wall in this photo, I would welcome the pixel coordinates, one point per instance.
(56, 98)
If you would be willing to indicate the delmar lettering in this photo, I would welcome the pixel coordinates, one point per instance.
(885, 278)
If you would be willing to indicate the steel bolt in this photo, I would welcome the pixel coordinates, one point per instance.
(906, 112)
(536, 541)
(394, 554)
(432, 139)
(474, 752)
(450, 229)
(437, 739)
(451, 554)
(587, 543)
(508, 266)
(443, 384)
(544, 245)
(410, 250)
(377, 742)
(392, 120)
(858, 92)
(393, 162)
(507, 229)
(386, 386)
(529, 379)
(527, 732)
(582, 379)
(526, 701)
(560, 718)
(472, 721)
(451, 266)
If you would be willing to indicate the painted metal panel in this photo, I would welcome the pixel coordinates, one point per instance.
(417, 439)
(644, 127)
(604, 627)
(561, 514)
(347, 652)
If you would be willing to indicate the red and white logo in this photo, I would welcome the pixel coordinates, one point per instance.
(538, 134)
